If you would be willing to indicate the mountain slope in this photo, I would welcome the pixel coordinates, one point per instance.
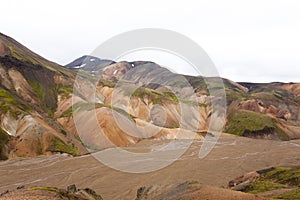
(12, 48)
(29, 90)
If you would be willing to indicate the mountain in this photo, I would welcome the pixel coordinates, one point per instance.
(256, 110)
(89, 63)
(46, 108)
(30, 91)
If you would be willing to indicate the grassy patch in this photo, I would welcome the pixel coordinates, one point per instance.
(44, 93)
(64, 91)
(82, 106)
(279, 178)
(108, 83)
(40, 148)
(267, 96)
(21, 57)
(278, 95)
(67, 113)
(293, 195)
(235, 95)
(24, 58)
(7, 101)
(196, 82)
(284, 175)
(241, 122)
(39, 89)
(59, 146)
(5, 95)
(51, 189)
(264, 186)
(156, 97)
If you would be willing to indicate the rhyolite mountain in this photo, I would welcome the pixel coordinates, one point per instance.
(37, 95)
(30, 90)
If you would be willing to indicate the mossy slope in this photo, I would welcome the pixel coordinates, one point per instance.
(286, 178)
(248, 123)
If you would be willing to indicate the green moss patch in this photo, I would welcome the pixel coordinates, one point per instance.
(107, 82)
(277, 179)
(18, 55)
(267, 96)
(59, 146)
(156, 97)
(235, 95)
(5, 95)
(64, 91)
(159, 97)
(8, 103)
(39, 89)
(6, 100)
(196, 82)
(293, 195)
(264, 186)
(46, 95)
(284, 175)
(246, 122)
(51, 189)
(83, 106)
(24, 58)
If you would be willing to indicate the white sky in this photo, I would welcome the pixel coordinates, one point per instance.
(248, 40)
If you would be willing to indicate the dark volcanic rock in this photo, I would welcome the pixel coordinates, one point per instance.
(89, 63)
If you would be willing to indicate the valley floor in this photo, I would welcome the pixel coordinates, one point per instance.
(232, 156)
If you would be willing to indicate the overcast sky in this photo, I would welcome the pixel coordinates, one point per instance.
(248, 40)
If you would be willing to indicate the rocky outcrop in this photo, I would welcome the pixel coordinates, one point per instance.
(257, 105)
(4, 50)
(50, 193)
(240, 183)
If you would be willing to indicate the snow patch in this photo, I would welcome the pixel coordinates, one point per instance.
(83, 65)
(80, 66)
